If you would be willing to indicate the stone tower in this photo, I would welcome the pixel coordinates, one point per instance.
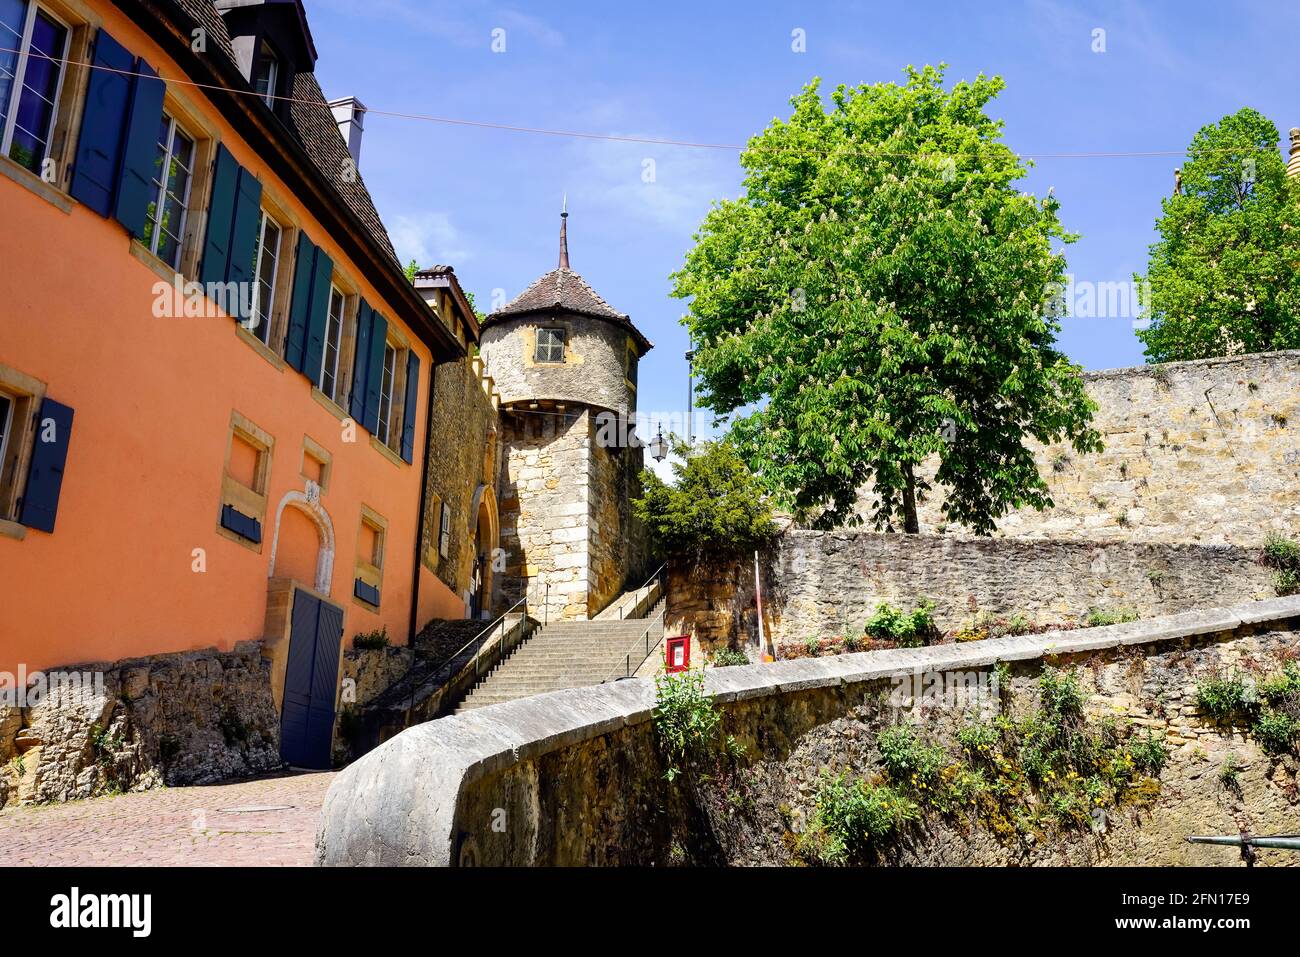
(565, 365)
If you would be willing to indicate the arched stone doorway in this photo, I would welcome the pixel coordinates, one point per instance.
(483, 516)
(294, 559)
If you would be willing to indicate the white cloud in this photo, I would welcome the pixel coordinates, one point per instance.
(428, 238)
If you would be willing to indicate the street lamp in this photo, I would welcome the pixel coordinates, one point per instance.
(659, 446)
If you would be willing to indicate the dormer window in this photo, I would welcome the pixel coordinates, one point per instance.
(266, 72)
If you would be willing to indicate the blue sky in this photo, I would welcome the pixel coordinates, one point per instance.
(487, 201)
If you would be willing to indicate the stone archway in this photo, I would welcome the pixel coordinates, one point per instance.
(308, 502)
(484, 523)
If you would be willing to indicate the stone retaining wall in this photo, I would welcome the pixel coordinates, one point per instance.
(1204, 451)
(194, 717)
(827, 583)
(576, 778)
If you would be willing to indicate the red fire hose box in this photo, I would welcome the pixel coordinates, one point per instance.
(677, 654)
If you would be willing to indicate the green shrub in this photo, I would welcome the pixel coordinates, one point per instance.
(907, 759)
(686, 721)
(715, 507)
(729, 657)
(1097, 617)
(908, 629)
(1061, 695)
(1283, 554)
(371, 640)
(979, 739)
(1223, 698)
(1149, 754)
(854, 819)
(813, 645)
(1275, 731)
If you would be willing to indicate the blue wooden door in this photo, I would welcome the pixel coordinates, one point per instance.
(310, 682)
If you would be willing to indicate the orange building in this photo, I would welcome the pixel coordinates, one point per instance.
(214, 376)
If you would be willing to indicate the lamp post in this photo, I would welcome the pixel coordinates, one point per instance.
(690, 389)
(659, 445)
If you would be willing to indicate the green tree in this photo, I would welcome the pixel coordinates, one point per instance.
(411, 269)
(1223, 279)
(715, 506)
(878, 297)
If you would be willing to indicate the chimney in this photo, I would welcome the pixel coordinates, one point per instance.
(1293, 164)
(349, 114)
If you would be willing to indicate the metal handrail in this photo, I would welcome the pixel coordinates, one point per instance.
(627, 662)
(657, 572)
(500, 620)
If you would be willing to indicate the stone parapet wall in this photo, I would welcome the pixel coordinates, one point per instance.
(1205, 451)
(576, 777)
(828, 583)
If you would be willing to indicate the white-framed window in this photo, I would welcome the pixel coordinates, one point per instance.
(386, 394)
(329, 373)
(173, 168)
(33, 51)
(550, 345)
(268, 71)
(266, 266)
(7, 403)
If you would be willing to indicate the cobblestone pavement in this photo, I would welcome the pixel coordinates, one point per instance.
(258, 821)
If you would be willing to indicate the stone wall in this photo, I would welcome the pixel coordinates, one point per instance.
(187, 718)
(464, 457)
(827, 583)
(594, 371)
(545, 510)
(1205, 451)
(618, 543)
(576, 777)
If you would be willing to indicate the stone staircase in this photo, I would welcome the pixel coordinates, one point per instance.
(569, 654)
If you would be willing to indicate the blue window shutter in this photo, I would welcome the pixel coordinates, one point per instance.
(139, 150)
(103, 122)
(243, 238)
(318, 317)
(375, 373)
(295, 342)
(367, 593)
(245, 526)
(221, 213)
(361, 362)
(45, 473)
(408, 407)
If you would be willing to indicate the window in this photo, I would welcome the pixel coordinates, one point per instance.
(33, 46)
(266, 267)
(329, 373)
(244, 483)
(385, 429)
(165, 222)
(631, 366)
(266, 74)
(550, 345)
(444, 530)
(368, 580)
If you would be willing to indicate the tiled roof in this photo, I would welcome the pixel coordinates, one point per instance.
(563, 290)
(312, 124)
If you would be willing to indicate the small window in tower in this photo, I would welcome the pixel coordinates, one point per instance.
(550, 345)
